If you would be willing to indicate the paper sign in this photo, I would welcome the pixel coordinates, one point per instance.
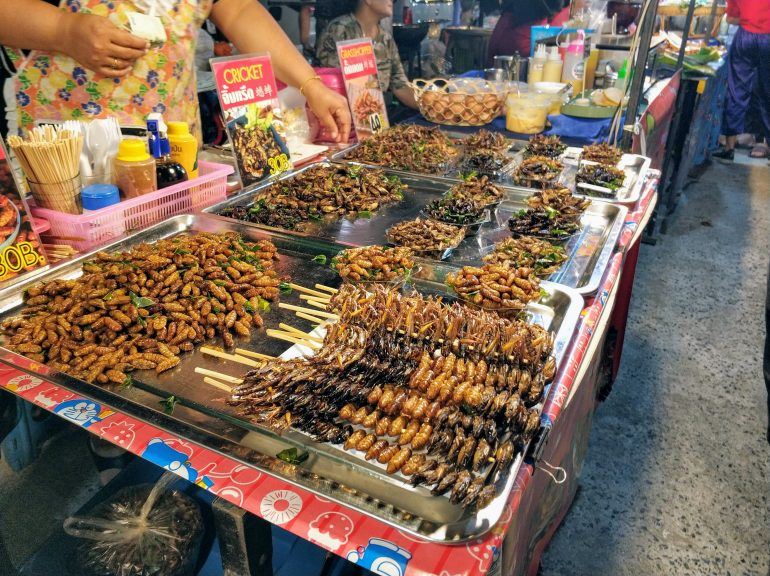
(20, 250)
(359, 71)
(252, 114)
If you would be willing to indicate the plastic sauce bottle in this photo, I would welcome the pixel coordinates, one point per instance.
(134, 169)
(167, 171)
(184, 147)
(590, 68)
(553, 66)
(574, 66)
(536, 65)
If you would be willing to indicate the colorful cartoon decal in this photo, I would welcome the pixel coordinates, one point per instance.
(51, 397)
(160, 453)
(331, 530)
(280, 506)
(381, 557)
(22, 383)
(483, 552)
(120, 433)
(82, 412)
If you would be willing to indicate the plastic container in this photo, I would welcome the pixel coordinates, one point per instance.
(98, 197)
(184, 147)
(553, 66)
(537, 64)
(554, 93)
(134, 169)
(87, 231)
(526, 113)
(574, 65)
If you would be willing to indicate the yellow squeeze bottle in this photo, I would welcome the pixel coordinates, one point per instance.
(184, 147)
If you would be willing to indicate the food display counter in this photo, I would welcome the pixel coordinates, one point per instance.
(385, 522)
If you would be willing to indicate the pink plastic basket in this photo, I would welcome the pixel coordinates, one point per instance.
(87, 231)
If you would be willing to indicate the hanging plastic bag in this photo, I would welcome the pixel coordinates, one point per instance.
(140, 531)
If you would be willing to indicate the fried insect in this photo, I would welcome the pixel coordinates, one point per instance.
(407, 147)
(602, 153)
(546, 146)
(374, 263)
(538, 172)
(494, 286)
(425, 235)
(541, 256)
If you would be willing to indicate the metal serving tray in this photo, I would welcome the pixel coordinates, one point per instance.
(329, 471)
(589, 252)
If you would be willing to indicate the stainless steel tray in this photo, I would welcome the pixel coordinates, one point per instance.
(329, 471)
(589, 252)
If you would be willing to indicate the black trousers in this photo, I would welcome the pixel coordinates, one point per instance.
(767, 352)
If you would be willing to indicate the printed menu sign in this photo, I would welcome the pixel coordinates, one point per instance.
(249, 99)
(359, 70)
(20, 250)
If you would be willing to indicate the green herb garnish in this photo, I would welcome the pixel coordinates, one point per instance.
(320, 259)
(140, 301)
(364, 214)
(292, 456)
(168, 404)
(285, 288)
(262, 304)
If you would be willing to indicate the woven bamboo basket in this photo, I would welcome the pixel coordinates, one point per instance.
(459, 101)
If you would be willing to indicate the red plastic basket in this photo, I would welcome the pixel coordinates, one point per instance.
(87, 231)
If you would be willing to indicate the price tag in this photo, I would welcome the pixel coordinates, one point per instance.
(359, 71)
(375, 121)
(279, 164)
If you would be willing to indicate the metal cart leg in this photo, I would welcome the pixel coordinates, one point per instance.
(245, 541)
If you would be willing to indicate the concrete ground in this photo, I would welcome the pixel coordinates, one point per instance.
(676, 479)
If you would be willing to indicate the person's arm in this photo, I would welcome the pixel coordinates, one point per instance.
(304, 28)
(399, 84)
(91, 40)
(250, 27)
(733, 12)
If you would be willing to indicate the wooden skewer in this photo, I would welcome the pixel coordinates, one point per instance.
(317, 304)
(217, 384)
(232, 357)
(308, 311)
(327, 288)
(225, 377)
(299, 333)
(288, 338)
(315, 319)
(310, 291)
(314, 300)
(258, 355)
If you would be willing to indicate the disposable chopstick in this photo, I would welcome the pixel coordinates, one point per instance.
(279, 335)
(317, 304)
(217, 384)
(299, 332)
(311, 311)
(310, 317)
(225, 377)
(309, 291)
(309, 298)
(232, 357)
(328, 289)
(251, 354)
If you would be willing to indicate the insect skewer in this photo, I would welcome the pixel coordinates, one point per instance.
(233, 357)
(293, 338)
(310, 311)
(251, 354)
(328, 289)
(212, 373)
(309, 291)
(320, 299)
(300, 333)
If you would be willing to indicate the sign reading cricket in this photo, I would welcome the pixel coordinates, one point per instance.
(249, 98)
(359, 70)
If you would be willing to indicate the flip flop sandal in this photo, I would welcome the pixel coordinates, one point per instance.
(760, 151)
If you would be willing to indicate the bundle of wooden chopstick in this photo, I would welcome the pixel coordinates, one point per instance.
(59, 252)
(50, 159)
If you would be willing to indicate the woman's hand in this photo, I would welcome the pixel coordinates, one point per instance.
(330, 108)
(99, 45)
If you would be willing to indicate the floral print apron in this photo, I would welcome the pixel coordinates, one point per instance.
(52, 86)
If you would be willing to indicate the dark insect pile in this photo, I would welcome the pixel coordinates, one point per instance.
(600, 175)
(253, 147)
(322, 191)
(142, 308)
(526, 252)
(407, 147)
(554, 215)
(444, 395)
(538, 172)
(546, 146)
(602, 153)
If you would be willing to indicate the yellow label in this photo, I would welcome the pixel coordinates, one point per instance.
(13, 259)
(278, 164)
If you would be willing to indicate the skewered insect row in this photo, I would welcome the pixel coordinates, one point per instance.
(602, 153)
(318, 192)
(527, 252)
(443, 394)
(559, 199)
(142, 308)
(600, 175)
(374, 263)
(425, 235)
(486, 140)
(407, 147)
(478, 190)
(496, 286)
(455, 210)
(538, 172)
(546, 146)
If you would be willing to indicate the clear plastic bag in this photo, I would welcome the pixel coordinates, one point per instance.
(140, 531)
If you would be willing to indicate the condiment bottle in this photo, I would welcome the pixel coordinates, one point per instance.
(590, 68)
(167, 171)
(574, 67)
(536, 65)
(134, 169)
(553, 66)
(184, 147)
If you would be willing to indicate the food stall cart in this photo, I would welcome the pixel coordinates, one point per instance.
(190, 434)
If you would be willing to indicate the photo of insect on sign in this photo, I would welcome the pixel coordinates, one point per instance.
(359, 71)
(249, 98)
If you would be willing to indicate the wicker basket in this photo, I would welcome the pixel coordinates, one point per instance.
(459, 101)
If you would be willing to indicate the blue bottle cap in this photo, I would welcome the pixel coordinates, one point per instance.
(97, 196)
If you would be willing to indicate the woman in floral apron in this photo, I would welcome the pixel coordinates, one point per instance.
(84, 65)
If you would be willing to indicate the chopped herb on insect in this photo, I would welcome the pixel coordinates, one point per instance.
(262, 304)
(364, 214)
(140, 301)
(127, 383)
(169, 404)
